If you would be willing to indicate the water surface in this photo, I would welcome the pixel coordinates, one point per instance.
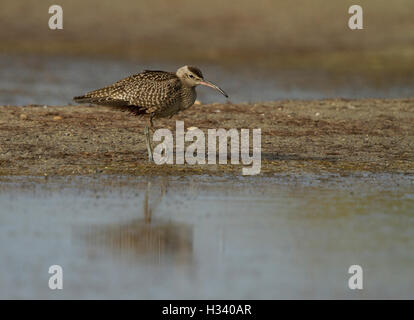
(44, 80)
(203, 237)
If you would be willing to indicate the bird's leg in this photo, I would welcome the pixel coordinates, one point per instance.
(148, 140)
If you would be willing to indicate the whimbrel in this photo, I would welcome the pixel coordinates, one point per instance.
(157, 94)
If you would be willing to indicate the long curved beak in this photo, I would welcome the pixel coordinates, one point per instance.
(212, 85)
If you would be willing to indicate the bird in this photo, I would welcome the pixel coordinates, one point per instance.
(154, 94)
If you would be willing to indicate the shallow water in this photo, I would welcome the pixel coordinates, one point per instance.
(55, 80)
(203, 237)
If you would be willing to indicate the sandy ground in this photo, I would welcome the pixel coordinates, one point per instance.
(341, 136)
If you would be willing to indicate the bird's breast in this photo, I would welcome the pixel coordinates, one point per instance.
(177, 103)
(188, 97)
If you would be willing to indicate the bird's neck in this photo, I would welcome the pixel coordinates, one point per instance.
(188, 96)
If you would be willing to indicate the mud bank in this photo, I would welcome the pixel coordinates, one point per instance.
(321, 136)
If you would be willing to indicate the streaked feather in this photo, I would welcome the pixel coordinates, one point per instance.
(152, 91)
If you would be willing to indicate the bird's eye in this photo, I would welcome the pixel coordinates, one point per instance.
(191, 76)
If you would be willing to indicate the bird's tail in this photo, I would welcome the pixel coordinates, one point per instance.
(83, 99)
(116, 104)
(104, 101)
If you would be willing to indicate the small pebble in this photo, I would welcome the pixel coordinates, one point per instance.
(23, 116)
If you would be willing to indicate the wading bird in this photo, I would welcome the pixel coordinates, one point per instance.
(157, 94)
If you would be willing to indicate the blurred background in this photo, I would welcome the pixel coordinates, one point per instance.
(257, 50)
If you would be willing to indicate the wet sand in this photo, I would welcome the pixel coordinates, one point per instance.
(321, 136)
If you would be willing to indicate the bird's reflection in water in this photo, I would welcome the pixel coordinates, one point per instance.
(154, 240)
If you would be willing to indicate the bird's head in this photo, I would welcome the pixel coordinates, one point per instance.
(192, 76)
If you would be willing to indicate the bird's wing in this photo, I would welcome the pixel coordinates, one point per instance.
(148, 91)
(157, 89)
(157, 75)
(113, 94)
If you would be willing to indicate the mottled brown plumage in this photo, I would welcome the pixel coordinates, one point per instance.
(144, 93)
(155, 93)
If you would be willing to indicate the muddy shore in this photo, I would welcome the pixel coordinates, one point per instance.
(322, 136)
